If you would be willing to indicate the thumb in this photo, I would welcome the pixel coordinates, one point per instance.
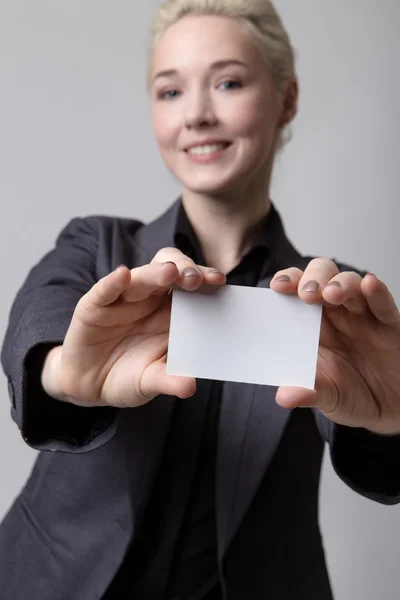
(155, 381)
(296, 397)
(323, 398)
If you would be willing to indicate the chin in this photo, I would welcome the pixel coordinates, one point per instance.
(210, 186)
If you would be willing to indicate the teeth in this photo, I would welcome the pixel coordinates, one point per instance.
(209, 149)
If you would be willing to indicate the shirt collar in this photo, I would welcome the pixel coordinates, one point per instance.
(163, 232)
(186, 239)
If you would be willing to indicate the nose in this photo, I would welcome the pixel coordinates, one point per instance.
(199, 110)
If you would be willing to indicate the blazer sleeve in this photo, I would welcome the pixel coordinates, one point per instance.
(39, 319)
(367, 462)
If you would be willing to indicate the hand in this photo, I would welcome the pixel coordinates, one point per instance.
(358, 368)
(115, 350)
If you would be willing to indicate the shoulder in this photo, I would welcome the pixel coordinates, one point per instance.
(103, 242)
(98, 227)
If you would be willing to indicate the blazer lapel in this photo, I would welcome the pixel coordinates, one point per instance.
(156, 235)
(250, 428)
(251, 423)
(145, 428)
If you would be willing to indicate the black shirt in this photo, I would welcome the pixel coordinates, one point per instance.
(175, 553)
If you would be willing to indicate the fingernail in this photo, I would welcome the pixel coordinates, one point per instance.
(311, 286)
(121, 267)
(191, 395)
(334, 283)
(282, 278)
(190, 272)
(169, 262)
(216, 272)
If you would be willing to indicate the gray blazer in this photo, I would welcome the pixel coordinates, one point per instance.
(67, 532)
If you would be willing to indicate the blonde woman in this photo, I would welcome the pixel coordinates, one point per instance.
(140, 492)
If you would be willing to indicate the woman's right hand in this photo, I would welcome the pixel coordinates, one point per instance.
(115, 350)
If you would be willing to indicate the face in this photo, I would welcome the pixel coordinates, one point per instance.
(215, 110)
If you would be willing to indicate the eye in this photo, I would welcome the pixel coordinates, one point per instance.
(230, 84)
(168, 94)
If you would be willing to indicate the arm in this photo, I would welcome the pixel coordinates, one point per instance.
(39, 319)
(357, 377)
(367, 462)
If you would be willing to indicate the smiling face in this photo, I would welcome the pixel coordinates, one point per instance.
(216, 113)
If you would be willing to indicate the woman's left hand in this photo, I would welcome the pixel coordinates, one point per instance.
(358, 368)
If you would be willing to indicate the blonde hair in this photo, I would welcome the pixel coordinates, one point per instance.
(259, 17)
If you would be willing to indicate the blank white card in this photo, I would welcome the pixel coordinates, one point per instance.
(244, 334)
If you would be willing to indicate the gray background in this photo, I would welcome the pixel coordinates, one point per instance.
(75, 139)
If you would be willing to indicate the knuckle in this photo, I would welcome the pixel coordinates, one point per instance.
(174, 255)
(349, 277)
(70, 384)
(322, 263)
(295, 271)
(98, 289)
(355, 307)
(355, 276)
(139, 274)
(83, 306)
(208, 269)
(165, 254)
(292, 271)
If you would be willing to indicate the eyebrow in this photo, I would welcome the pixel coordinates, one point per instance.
(219, 64)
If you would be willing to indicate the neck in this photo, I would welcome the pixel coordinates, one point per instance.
(225, 227)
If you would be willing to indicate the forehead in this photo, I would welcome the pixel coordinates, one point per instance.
(197, 40)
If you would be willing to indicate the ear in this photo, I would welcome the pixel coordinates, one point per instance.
(289, 103)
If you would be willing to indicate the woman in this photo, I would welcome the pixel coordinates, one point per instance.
(216, 496)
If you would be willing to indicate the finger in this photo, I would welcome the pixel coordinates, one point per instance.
(287, 280)
(317, 274)
(345, 290)
(380, 300)
(122, 313)
(191, 275)
(120, 290)
(156, 381)
(149, 279)
(172, 254)
(107, 290)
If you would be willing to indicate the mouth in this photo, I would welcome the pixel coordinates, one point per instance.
(207, 148)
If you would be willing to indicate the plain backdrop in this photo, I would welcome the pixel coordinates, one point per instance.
(76, 139)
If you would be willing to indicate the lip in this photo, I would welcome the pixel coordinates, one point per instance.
(206, 142)
(204, 159)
